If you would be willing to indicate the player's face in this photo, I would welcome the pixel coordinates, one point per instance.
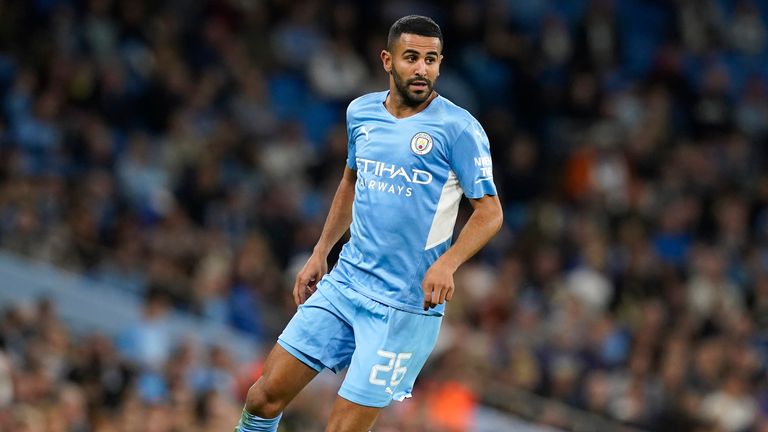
(414, 65)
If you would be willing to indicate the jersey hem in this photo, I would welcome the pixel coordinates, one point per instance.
(387, 302)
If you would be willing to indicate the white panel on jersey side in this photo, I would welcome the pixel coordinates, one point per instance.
(447, 209)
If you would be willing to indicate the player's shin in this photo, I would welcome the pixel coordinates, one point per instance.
(252, 423)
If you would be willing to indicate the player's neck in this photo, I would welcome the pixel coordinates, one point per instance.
(398, 108)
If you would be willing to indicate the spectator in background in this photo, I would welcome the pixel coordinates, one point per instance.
(148, 343)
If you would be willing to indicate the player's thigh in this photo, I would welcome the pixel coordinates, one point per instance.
(282, 378)
(392, 348)
(351, 417)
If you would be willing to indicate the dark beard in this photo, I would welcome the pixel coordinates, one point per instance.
(409, 98)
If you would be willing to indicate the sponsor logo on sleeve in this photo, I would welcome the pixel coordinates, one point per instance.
(485, 165)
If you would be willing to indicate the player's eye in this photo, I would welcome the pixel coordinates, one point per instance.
(430, 60)
(411, 58)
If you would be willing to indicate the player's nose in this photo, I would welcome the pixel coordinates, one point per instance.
(421, 68)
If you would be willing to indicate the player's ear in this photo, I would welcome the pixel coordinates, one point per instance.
(386, 61)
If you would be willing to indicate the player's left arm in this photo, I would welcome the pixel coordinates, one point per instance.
(483, 224)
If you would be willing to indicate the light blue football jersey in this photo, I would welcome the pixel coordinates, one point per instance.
(411, 174)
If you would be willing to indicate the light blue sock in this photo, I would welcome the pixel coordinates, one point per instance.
(252, 423)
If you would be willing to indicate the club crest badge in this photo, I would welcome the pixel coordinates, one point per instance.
(421, 143)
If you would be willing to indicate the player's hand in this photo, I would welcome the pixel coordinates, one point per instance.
(308, 277)
(437, 285)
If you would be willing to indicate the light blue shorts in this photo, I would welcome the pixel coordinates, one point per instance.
(385, 348)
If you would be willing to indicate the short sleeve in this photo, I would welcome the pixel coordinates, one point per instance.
(470, 158)
(351, 163)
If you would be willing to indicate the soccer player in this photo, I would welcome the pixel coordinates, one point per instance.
(411, 156)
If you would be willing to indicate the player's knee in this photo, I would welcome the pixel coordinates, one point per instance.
(336, 424)
(262, 403)
(348, 424)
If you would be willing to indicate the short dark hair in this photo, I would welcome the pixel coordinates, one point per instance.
(413, 24)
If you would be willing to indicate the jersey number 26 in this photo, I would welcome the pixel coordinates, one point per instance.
(394, 365)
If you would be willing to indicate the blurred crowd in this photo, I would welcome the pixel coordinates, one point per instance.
(187, 151)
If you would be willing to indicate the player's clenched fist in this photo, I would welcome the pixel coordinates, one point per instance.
(437, 285)
(307, 278)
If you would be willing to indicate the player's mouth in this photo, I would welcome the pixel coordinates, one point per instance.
(419, 85)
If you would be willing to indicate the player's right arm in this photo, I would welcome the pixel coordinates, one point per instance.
(336, 224)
